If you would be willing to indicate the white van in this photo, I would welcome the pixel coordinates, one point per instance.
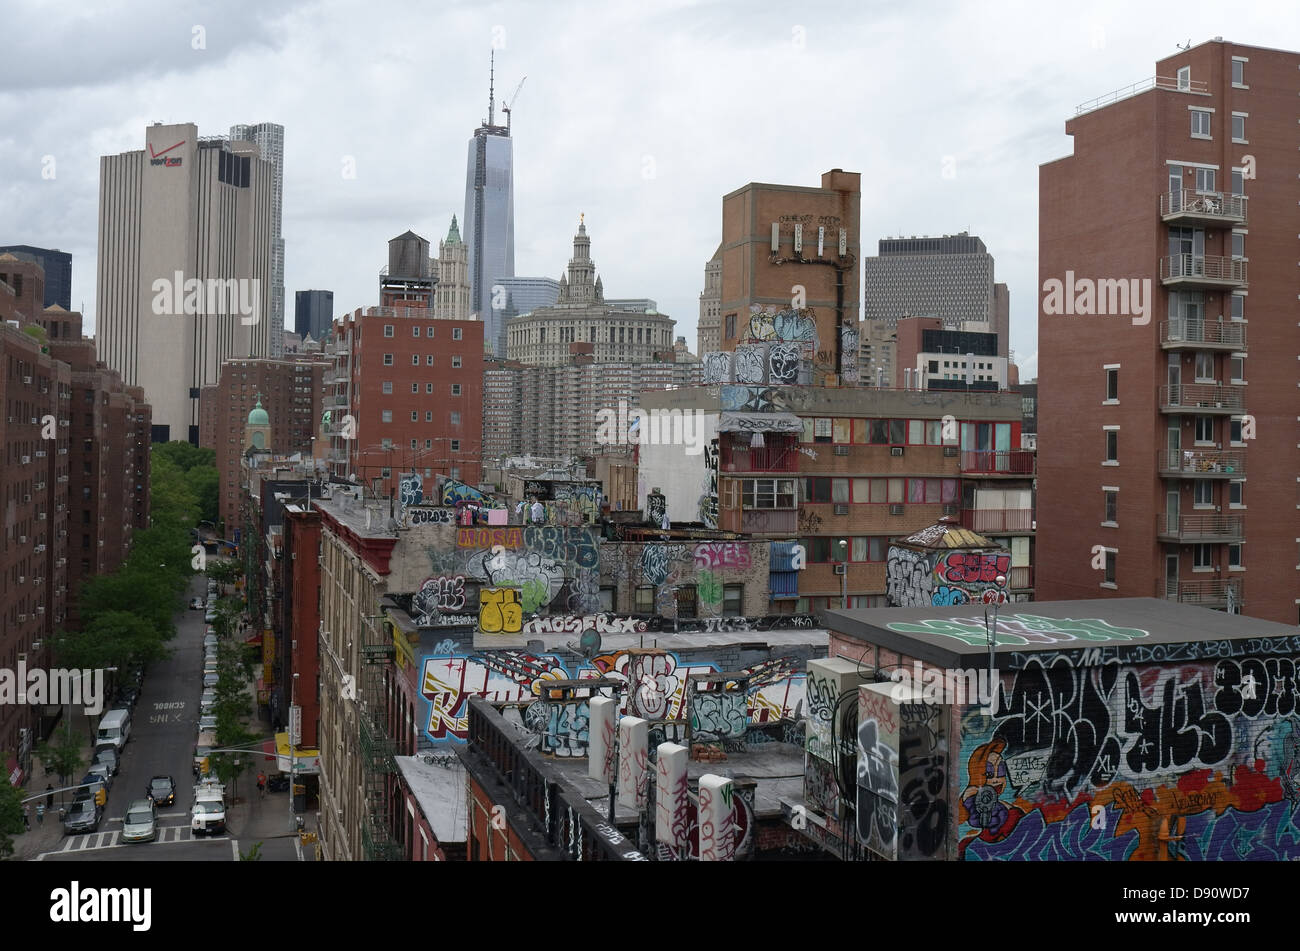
(208, 814)
(114, 729)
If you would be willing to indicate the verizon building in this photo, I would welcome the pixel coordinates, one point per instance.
(185, 265)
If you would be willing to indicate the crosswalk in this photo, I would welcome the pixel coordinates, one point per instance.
(113, 839)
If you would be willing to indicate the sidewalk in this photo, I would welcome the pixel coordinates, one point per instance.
(254, 819)
(48, 836)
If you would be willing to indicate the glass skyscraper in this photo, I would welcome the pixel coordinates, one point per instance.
(490, 223)
(269, 139)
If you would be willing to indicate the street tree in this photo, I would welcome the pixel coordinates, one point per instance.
(62, 753)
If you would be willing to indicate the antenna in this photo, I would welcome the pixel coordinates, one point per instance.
(513, 96)
(492, 65)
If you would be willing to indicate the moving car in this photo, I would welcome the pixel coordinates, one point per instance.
(196, 604)
(162, 790)
(208, 815)
(82, 816)
(141, 822)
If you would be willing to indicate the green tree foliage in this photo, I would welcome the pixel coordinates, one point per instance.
(118, 639)
(183, 455)
(11, 813)
(62, 754)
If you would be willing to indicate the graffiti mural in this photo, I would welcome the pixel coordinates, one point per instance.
(877, 799)
(715, 367)
(1018, 629)
(719, 716)
(750, 364)
(783, 364)
(437, 595)
(713, 555)
(656, 506)
(411, 490)
(751, 399)
(500, 611)
(848, 353)
(945, 578)
(708, 508)
(787, 326)
(489, 537)
(431, 516)
(454, 491)
(1180, 762)
(909, 581)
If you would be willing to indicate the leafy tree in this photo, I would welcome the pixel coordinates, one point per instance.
(224, 572)
(183, 455)
(252, 855)
(62, 753)
(203, 483)
(110, 639)
(11, 813)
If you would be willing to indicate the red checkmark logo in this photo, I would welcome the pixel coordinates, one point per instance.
(154, 154)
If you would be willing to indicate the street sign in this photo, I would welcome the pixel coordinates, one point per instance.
(295, 725)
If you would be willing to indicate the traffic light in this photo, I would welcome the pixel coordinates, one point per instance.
(204, 766)
(101, 797)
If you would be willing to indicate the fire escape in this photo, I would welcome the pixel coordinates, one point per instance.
(377, 747)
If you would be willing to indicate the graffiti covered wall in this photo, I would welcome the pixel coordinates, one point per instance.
(1180, 761)
(926, 578)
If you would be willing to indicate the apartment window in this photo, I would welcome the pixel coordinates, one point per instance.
(455, 445)
(1205, 429)
(1237, 493)
(1234, 431)
(1239, 128)
(388, 330)
(1112, 446)
(415, 416)
(1184, 79)
(1238, 307)
(1110, 567)
(388, 386)
(415, 331)
(387, 416)
(767, 494)
(428, 444)
(1239, 72)
(1203, 494)
(645, 599)
(816, 490)
(455, 363)
(1234, 555)
(733, 600)
(1111, 497)
(1112, 385)
(1238, 246)
(1200, 124)
(455, 419)
(840, 490)
(429, 332)
(1202, 557)
(386, 473)
(1204, 366)
(1238, 182)
(731, 326)
(428, 416)
(455, 389)
(414, 444)
(1237, 368)
(456, 333)
(388, 359)
(415, 359)
(686, 602)
(454, 472)
(1205, 178)
(428, 361)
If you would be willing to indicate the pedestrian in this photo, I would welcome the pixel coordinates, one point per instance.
(519, 511)
(27, 816)
(261, 785)
(40, 813)
(49, 795)
(539, 513)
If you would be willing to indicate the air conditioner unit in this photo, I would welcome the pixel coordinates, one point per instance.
(22, 579)
(40, 517)
(895, 450)
(949, 451)
(896, 509)
(35, 420)
(950, 510)
(22, 539)
(40, 453)
(841, 450)
(27, 460)
(840, 569)
(39, 548)
(27, 497)
(27, 380)
(40, 609)
(22, 617)
(61, 562)
(841, 509)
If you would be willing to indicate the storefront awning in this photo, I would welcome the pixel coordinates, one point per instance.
(304, 762)
(759, 423)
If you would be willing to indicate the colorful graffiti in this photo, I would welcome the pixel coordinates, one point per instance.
(431, 516)
(789, 326)
(500, 611)
(438, 594)
(489, 537)
(656, 679)
(1180, 762)
(715, 555)
(1019, 629)
(943, 579)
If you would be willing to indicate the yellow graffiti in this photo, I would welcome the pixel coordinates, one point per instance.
(500, 611)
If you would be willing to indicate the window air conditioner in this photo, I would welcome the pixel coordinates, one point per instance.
(896, 509)
(895, 450)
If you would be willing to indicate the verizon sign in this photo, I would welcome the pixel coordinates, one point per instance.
(162, 158)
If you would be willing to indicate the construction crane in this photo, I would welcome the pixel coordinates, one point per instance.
(506, 106)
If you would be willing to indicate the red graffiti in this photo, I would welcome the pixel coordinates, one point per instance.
(872, 706)
(970, 567)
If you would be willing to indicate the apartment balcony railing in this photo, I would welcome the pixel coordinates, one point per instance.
(1170, 83)
(1182, 333)
(998, 520)
(1193, 207)
(1217, 593)
(1021, 579)
(1019, 462)
(761, 459)
(1202, 398)
(1203, 270)
(1200, 528)
(1201, 463)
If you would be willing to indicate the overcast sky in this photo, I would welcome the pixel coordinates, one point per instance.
(641, 116)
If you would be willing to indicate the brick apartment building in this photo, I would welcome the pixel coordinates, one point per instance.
(291, 391)
(1150, 433)
(24, 288)
(775, 237)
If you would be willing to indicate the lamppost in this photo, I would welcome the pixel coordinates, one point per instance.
(844, 574)
(293, 749)
(992, 632)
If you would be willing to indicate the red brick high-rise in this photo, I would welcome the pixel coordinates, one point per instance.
(1161, 472)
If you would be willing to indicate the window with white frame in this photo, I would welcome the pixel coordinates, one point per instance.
(455, 445)
(1239, 127)
(388, 359)
(455, 363)
(1238, 182)
(429, 333)
(1234, 431)
(1109, 575)
(1204, 366)
(1203, 557)
(455, 389)
(429, 360)
(415, 331)
(388, 330)
(415, 359)
(455, 418)
(1238, 246)
(1112, 384)
(415, 387)
(1110, 514)
(386, 416)
(415, 416)
(456, 333)
(1184, 78)
(767, 494)
(1205, 429)
(1205, 179)
(1234, 555)
(1112, 445)
(1238, 306)
(1203, 494)
(388, 386)
(1237, 368)
(1238, 72)
(1200, 123)
(428, 416)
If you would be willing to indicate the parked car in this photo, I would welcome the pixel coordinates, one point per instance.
(90, 785)
(209, 639)
(210, 616)
(114, 728)
(207, 723)
(141, 822)
(82, 816)
(126, 697)
(162, 790)
(107, 755)
(209, 680)
(104, 773)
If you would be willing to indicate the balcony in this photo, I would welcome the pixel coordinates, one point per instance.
(998, 521)
(337, 401)
(759, 521)
(1189, 529)
(1215, 209)
(1216, 593)
(1010, 462)
(1206, 270)
(760, 459)
(1205, 399)
(1181, 334)
(1201, 463)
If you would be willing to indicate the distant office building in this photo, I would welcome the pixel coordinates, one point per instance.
(451, 295)
(708, 330)
(581, 321)
(58, 271)
(269, 139)
(949, 277)
(313, 313)
(523, 295)
(185, 253)
(490, 220)
(931, 357)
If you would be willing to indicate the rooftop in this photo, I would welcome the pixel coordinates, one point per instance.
(439, 787)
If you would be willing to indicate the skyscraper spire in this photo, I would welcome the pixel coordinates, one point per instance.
(492, 65)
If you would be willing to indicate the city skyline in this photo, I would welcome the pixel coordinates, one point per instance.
(649, 174)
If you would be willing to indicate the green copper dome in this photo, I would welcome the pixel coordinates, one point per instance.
(258, 415)
(453, 233)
